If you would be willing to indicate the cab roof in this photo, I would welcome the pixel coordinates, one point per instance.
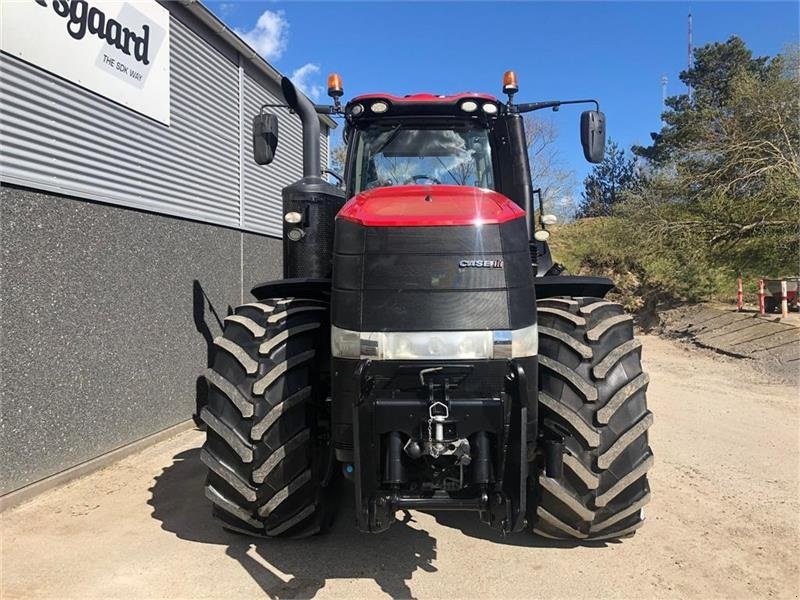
(362, 108)
(424, 97)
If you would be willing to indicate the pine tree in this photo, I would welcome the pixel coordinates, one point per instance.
(606, 184)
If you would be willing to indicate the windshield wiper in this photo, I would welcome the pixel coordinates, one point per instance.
(392, 134)
(444, 166)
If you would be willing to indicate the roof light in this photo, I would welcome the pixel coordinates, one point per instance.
(379, 107)
(549, 219)
(469, 106)
(510, 85)
(356, 110)
(490, 109)
(335, 88)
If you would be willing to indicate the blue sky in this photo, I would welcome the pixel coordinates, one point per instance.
(616, 52)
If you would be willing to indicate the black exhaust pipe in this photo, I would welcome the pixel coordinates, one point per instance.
(310, 120)
(310, 205)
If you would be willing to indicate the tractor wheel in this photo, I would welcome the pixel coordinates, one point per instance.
(268, 447)
(592, 396)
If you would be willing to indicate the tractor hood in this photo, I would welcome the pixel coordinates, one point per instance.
(429, 206)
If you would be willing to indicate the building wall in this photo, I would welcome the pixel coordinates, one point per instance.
(106, 317)
(59, 137)
(123, 244)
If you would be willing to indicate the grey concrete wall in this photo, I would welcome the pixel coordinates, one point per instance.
(105, 316)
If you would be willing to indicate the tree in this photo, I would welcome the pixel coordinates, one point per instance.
(547, 170)
(690, 117)
(606, 185)
(728, 162)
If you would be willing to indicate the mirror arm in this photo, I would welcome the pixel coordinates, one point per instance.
(554, 104)
(538, 192)
(322, 109)
(327, 109)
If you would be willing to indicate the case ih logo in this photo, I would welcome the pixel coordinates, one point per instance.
(481, 264)
(83, 19)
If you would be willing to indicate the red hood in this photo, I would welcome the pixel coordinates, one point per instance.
(429, 206)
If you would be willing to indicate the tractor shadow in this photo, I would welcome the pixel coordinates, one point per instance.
(390, 559)
(468, 524)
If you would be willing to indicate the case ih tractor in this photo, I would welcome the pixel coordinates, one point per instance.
(421, 344)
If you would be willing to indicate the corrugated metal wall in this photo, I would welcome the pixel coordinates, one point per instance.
(58, 137)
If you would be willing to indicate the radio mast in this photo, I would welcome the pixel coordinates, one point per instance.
(689, 55)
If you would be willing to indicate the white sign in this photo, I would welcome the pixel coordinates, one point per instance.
(119, 50)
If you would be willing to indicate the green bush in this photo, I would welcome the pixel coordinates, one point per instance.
(648, 275)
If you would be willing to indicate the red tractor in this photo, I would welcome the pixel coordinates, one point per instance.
(422, 345)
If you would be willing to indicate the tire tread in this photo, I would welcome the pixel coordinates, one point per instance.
(592, 395)
(266, 476)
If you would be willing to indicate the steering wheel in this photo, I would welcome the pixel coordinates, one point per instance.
(416, 178)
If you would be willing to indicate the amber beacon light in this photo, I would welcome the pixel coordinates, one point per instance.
(510, 83)
(335, 89)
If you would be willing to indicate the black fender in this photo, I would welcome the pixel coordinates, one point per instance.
(301, 287)
(572, 285)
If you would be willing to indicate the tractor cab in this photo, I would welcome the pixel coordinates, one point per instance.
(420, 139)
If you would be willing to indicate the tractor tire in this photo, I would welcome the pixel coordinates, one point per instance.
(591, 396)
(268, 447)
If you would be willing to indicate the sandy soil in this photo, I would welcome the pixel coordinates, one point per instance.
(723, 522)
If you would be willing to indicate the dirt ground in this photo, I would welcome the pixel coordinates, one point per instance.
(723, 522)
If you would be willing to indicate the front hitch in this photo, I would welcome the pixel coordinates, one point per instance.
(498, 471)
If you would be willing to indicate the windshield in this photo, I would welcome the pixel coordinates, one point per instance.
(402, 154)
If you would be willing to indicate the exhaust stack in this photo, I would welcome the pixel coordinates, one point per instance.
(310, 120)
(310, 204)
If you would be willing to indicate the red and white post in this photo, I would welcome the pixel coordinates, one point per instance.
(784, 300)
(761, 295)
(739, 295)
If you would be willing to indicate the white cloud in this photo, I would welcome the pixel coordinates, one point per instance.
(269, 36)
(303, 77)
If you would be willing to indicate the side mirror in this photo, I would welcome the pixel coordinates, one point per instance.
(265, 138)
(593, 135)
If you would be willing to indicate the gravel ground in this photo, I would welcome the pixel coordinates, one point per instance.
(723, 521)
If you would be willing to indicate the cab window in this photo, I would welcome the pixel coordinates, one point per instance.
(400, 154)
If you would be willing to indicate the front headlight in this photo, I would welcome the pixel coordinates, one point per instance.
(345, 343)
(422, 345)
